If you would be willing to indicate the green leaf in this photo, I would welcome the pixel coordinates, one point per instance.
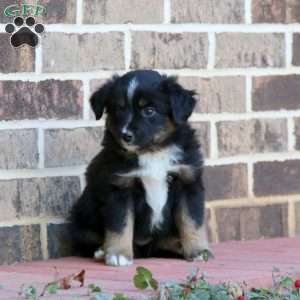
(94, 288)
(30, 293)
(119, 296)
(52, 288)
(100, 297)
(286, 282)
(203, 295)
(153, 283)
(140, 282)
(144, 272)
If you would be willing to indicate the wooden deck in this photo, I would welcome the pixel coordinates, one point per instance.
(250, 261)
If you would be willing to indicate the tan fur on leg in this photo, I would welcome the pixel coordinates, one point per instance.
(118, 247)
(193, 237)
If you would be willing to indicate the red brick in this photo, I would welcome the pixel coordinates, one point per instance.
(3, 5)
(18, 149)
(208, 224)
(20, 243)
(275, 11)
(277, 178)
(38, 197)
(203, 135)
(276, 93)
(169, 50)
(225, 182)
(207, 11)
(70, 147)
(45, 99)
(58, 242)
(132, 11)
(58, 11)
(250, 50)
(59, 54)
(253, 222)
(217, 94)
(296, 49)
(228, 222)
(258, 136)
(12, 59)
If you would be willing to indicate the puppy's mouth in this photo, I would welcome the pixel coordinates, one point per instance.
(129, 147)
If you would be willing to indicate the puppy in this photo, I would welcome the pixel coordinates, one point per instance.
(144, 193)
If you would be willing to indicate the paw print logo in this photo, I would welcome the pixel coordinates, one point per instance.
(24, 34)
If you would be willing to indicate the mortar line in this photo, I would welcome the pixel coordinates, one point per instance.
(253, 158)
(49, 124)
(44, 241)
(82, 182)
(256, 201)
(252, 71)
(79, 12)
(167, 11)
(41, 148)
(211, 50)
(127, 49)
(14, 174)
(288, 49)
(291, 219)
(248, 93)
(291, 134)
(32, 221)
(213, 140)
(174, 27)
(250, 175)
(214, 225)
(38, 60)
(86, 104)
(248, 11)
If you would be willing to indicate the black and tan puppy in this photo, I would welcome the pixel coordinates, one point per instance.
(144, 192)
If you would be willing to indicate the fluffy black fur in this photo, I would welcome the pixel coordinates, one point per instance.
(156, 117)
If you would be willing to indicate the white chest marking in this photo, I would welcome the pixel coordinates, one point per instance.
(153, 172)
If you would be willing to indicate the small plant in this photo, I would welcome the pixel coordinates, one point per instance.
(94, 288)
(144, 279)
(195, 287)
(52, 288)
(119, 296)
(29, 292)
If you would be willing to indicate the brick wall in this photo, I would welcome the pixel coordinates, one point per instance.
(243, 58)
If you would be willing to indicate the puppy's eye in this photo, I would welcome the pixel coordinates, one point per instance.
(148, 111)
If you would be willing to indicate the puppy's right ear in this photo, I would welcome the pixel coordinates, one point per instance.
(101, 97)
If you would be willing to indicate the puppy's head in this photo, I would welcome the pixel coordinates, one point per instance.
(143, 108)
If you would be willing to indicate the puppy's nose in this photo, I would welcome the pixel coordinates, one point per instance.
(127, 136)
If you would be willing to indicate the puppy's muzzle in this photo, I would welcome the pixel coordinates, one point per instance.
(128, 137)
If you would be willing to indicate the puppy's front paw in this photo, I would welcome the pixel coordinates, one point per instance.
(99, 254)
(200, 255)
(117, 260)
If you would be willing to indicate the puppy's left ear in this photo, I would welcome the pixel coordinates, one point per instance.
(101, 97)
(182, 101)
